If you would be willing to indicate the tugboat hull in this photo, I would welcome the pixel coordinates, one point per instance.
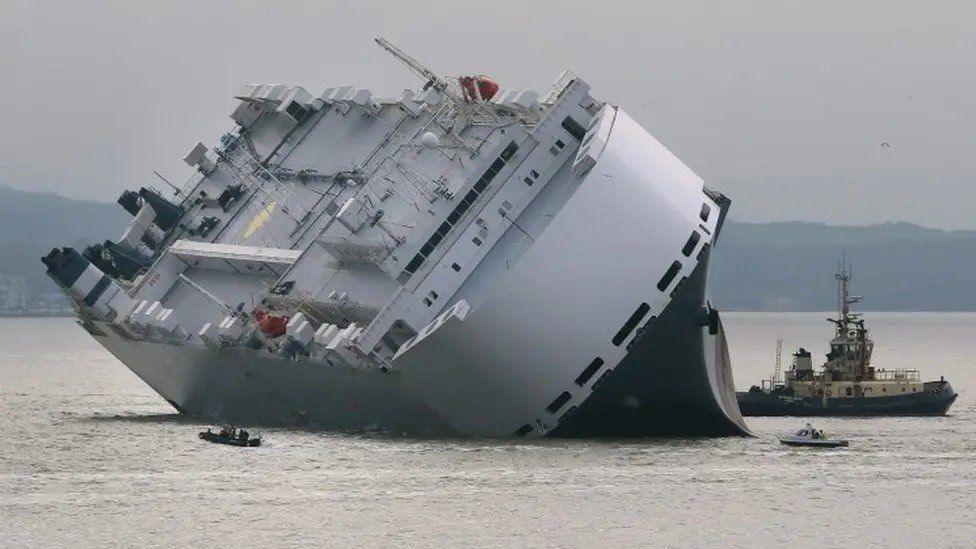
(934, 401)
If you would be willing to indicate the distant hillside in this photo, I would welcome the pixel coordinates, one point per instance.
(897, 267)
(33, 223)
(758, 266)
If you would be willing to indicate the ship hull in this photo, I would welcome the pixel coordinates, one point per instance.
(674, 380)
(587, 314)
(934, 402)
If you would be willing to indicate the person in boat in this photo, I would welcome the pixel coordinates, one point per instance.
(243, 435)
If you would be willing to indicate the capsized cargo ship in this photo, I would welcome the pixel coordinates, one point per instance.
(462, 259)
(847, 385)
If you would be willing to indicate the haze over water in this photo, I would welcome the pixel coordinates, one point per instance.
(90, 456)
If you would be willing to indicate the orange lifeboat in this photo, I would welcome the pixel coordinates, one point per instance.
(271, 325)
(478, 88)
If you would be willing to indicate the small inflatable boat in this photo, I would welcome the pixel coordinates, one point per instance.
(808, 436)
(231, 437)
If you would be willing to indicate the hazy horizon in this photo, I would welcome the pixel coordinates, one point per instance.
(782, 107)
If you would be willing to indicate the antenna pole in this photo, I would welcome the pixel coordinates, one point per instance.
(176, 190)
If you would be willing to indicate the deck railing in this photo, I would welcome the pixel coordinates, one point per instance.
(897, 375)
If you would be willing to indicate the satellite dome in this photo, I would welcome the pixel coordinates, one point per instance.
(429, 140)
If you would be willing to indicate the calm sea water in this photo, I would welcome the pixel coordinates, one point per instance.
(89, 456)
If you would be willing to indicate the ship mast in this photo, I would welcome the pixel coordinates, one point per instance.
(845, 300)
(842, 279)
(779, 362)
(850, 326)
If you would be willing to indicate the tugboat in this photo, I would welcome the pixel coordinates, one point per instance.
(231, 437)
(847, 385)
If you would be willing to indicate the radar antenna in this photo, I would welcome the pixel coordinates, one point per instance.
(430, 76)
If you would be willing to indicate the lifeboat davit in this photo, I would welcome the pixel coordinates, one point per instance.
(478, 88)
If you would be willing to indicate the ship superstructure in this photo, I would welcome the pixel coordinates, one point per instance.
(460, 259)
(847, 383)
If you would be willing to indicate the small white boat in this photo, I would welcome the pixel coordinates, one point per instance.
(808, 436)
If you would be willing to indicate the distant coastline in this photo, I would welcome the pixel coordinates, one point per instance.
(790, 266)
(756, 267)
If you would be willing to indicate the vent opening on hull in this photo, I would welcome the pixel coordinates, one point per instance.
(704, 212)
(570, 412)
(560, 401)
(523, 430)
(633, 342)
(574, 128)
(598, 382)
(97, 290)
(509, 151)
(669, 275)
(678, 286)
(690, 245)
(631, 323)
(588, 372)
(702, 252)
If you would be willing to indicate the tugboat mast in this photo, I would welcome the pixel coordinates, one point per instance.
(844, 299)
(850, 326)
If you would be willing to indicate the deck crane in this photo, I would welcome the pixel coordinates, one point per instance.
(433, 81)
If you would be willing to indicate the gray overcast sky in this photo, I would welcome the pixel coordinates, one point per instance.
(781, 105)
